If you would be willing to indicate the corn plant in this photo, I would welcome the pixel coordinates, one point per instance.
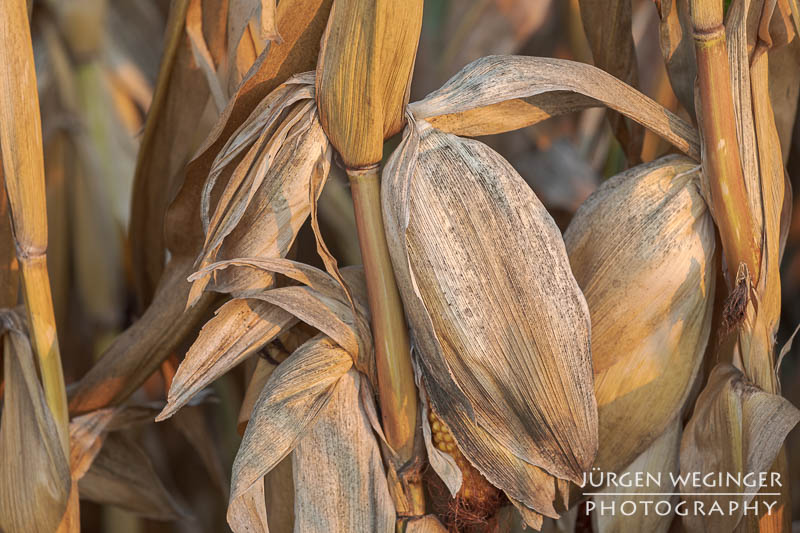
(471, 367)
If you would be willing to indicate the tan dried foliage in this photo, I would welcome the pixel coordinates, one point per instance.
(495, 94)
(123, 475)
(295, 395)
(659, 459)
(609, 32)
(341, 448)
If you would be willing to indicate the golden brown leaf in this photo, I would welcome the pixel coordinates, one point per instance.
(487, 94)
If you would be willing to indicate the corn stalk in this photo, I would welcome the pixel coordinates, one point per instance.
(749, 234)
(21, 137)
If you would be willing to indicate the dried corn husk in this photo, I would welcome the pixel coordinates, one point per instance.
(364, 74)
(736, 428)
(34, 473)
(315, 385)
(500, 327)
(341, 451)
(642, 248)
(660, 459)
(244, 325)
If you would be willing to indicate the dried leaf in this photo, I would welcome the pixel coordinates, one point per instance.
(201, 53)
(123, 475)
(165, 148)
(34, 474)
(608, 30)
(500, 93)
(239, 328)
(511, 379)
(248, 512)
(736, 429)
(139, 350)
(302, 23)
(341, 451)
(677, 47)
(660, 459)
(86, 436)
(645, 235)
(279, 489)
(244, 44)
(266, 201)
(258, 380)
(286, 410)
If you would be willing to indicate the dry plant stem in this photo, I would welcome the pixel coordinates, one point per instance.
(36, 290)
(21, 139)
(718, 126)
(398, 395)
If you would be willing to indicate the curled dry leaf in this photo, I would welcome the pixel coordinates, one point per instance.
(295, 395)
(266, 200)
(660, 459)
(251, 25)
(35, 484)
(123, 475)
(645, 235)
(340, 450)
(239, 328)
(138, 352)
(738, 429)
(323, 303)
(500, 326)
(502, 93)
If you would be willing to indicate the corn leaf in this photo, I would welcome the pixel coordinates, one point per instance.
(501, 93)
(123, 475)
(239, 329)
